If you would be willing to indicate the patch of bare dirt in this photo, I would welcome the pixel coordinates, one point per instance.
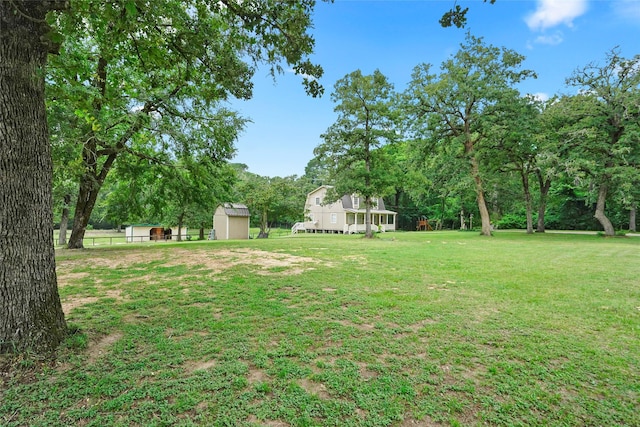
(257, 376)
(359, 326)
(124, 259)
(314, 388)
(97, 348)
(268, 423)
(421, 324)
(71, 303)
(365, 372)
(65, 278)
(192, 366)
(219, 261)
(410, 422)
(213, 261)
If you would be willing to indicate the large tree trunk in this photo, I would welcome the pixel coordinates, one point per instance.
(368, 233)
(87, 196)
(31, 314)
(545, 186)
(64, 221)
(599, 215)
(93, 178)
(443, 206)
(632, 218)
(264, 225)
(397, 207)
(482, 203)
(527, 200)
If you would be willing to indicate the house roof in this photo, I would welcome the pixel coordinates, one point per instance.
(236, 209)
(377, 211)
(319, 188)
(347, 203)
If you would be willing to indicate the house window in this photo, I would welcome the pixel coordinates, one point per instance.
(334, 218)
(311, 217)
(317, 201)
(390, 219)
(351, 219)
(356, 202)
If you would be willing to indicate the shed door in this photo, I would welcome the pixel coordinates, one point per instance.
(238, 227)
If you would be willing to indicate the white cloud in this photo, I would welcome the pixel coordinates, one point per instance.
(553, 39)
(540, 96)
(550, 13)
(306, 76)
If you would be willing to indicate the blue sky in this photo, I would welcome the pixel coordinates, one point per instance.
(555, 36)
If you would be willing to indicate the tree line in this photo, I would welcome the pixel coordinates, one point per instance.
(456, 143)
(465, 132)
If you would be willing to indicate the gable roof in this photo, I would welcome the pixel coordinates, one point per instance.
(347, 203)
(319, 188)
(235, 209)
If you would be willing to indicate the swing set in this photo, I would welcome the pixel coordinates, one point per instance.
(423, 224)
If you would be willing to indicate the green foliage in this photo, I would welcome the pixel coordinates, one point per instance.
(271, 201)
(605, 117)
(352, 145)
(149, 79)
(77, 340)
(456, 107)
(457, 16)
(512, 221)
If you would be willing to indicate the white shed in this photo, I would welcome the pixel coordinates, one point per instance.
(231, 221)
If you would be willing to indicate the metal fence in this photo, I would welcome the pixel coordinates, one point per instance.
(121, 240)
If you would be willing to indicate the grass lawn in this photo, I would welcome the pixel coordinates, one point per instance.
(410, 329)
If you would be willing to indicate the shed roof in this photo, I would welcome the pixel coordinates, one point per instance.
(236, 209)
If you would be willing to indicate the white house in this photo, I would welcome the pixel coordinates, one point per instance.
(346, 215)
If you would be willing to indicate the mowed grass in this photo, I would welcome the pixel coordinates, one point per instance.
(409, 329)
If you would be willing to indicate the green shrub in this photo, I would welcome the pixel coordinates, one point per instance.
(512, 221)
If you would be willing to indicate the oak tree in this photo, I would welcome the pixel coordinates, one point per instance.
(366, 121)
(607, 117)
(142, 74)
(455, 104)
(32, 317)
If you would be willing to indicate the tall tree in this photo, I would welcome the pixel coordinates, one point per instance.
(270, 199)
(607, 121)
(32, 317)
(512, 146)
(455, 105)
(551, 151)
(366, 121)
(145, 73)
(190, 190)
